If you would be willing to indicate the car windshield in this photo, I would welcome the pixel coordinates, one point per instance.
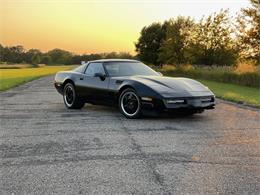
(129, 69)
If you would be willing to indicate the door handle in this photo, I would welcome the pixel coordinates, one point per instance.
(81, 78)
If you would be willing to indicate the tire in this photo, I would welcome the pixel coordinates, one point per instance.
(130, 104)
(70, 98)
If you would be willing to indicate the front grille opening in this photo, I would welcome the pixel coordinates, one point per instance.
(206, 100)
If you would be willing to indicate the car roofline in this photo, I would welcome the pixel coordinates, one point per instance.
(114, 60)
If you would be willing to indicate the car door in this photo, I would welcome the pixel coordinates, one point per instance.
(95, 87)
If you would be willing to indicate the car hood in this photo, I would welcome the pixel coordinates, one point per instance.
(174, 86)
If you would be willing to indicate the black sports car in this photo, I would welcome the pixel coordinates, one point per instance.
(134, 87)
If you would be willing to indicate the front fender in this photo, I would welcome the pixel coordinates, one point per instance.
(61, 78)
(141, 89)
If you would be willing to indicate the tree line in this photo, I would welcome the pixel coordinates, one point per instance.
(217, 39)
(17, 54)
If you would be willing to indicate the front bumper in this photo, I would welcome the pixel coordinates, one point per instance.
(58, 87)
(205, 102)
(186, 103)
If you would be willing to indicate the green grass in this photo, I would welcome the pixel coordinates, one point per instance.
(236, 93)
(13, 77)
(13, 82)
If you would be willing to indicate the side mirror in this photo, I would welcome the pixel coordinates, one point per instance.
(102, 76)
(160, 73)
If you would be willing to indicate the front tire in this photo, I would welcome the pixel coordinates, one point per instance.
(130, 104)
(70, 98)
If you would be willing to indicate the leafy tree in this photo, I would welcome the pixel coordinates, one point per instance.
(148, 44)
(46, 59)
(33, 56)
(36, 59)
(13, 54)
(59, 56)
(124, 55)
(211, 41)
(116, 55)
(182, 40)
(1, 53)
(89, 57)
(76, 59)
(249, 31)
(174, 48)
(110, 55)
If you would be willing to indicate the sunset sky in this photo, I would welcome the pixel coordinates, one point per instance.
(93, 26)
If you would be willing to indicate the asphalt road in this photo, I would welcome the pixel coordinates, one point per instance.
(47, 149)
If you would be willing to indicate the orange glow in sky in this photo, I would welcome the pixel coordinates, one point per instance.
(93, 26)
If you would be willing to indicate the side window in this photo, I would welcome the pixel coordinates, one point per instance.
(94, 68)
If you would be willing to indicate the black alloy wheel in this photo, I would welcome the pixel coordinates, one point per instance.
(129, 104)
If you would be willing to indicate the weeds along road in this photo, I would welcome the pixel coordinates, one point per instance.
(48, 149)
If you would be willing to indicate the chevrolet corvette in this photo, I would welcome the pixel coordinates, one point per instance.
(132, 86)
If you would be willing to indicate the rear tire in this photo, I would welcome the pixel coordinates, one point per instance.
(130, 104)
(70, 98)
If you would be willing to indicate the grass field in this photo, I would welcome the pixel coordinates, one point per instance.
(12, 77)
(236, 93)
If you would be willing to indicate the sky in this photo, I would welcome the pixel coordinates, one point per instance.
(94, 26)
